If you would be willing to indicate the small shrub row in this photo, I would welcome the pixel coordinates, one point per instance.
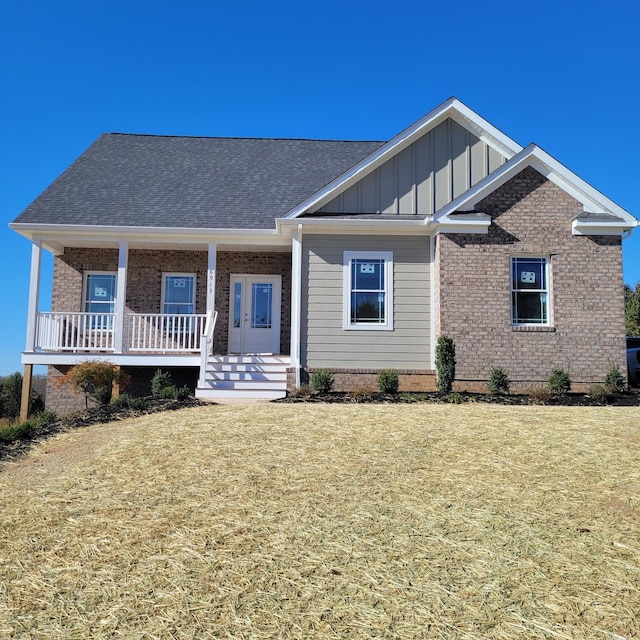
(24, 429)
(162, 387)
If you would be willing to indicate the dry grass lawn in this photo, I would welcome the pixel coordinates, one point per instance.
(328, 521)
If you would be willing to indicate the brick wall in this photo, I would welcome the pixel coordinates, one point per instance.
(144, 281)
(531, 216)
(346, 380)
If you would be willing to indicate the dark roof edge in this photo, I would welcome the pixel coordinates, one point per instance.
(159, 135)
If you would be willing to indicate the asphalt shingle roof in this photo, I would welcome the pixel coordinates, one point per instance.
(166, 181)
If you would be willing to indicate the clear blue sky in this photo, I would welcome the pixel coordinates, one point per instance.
(563, 73)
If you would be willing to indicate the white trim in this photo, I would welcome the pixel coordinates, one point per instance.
(347, 257)
(177, 274)
(432, 302)
(599, 228)
(34, 292)
(547, 290)
(137, 360)
(121, 295)
(450, 108)
(211, 277)
(591, 199)
(296, 300)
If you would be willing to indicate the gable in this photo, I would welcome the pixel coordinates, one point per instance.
(424, 176)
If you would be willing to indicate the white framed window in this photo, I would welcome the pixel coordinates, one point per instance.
(178, 293)
(99, 298)
(530, 291)
(368, 290)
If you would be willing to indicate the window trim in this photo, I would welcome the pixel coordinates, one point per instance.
(169, 274)
(387, 256)
(547, 275)
(85, 288)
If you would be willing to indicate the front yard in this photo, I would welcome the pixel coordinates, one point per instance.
(328, 521)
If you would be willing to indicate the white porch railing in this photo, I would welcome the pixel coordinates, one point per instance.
(206, 345)
(152, 332)
(75, 331)
(94, 332)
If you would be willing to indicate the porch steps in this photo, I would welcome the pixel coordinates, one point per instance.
(245, 376)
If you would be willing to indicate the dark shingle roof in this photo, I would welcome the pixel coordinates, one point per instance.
(164, 181)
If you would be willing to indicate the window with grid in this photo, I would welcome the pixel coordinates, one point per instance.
(529, 291)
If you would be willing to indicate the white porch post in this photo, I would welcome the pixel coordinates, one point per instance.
(121, 295)
(296, 298)
(211, 277)
(34, 292)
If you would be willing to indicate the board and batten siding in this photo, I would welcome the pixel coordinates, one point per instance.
(324, 342)
(424, 177)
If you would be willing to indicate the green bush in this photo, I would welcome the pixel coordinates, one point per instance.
(499, 382)
(23, 430)
(559, 381)
(11, 396)
(125, 401)
(388, 381)
(454, 398)
(322, 381)
(161, 380)
(615, 382)
(445, 364)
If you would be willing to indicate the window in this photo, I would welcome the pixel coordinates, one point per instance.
(529, 291)
(368, 290)
(100, 298)
(179, 293)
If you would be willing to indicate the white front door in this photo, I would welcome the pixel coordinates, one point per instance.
(254, 314)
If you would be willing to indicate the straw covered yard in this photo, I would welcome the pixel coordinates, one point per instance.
(328, 521)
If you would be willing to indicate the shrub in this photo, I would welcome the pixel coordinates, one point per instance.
(388, 381)
(614, 381)
(11, 396)
(599, 393)
(161, 380)
(95, 379)
(24, 430)
(125, 401)
(303, 391)
(445, 364)
(539, 395)
(559, 381)
(361, 394)
(454, 398)
(322, 381)
(498, 382)
(174, 393)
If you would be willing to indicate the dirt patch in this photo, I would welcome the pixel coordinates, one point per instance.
(97, 415)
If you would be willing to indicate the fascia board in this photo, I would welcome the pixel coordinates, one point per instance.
(591, 199)
(344, 225)
(447, 225)
(116, 233)
(450, 108)
(601, 228)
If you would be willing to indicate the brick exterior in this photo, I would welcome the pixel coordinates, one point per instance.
(531, 216)
(144, 282)
(367, 379)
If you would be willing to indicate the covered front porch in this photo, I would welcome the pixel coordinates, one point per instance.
(173, 303)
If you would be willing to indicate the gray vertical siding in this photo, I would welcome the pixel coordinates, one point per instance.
(324, 343)
(424, 177)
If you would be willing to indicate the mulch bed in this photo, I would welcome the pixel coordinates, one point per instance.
(630, 399)
(96, 415)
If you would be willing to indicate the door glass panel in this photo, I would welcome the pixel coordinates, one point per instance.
(237, 304)
(261, 296)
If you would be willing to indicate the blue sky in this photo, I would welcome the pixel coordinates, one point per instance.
(564, 74)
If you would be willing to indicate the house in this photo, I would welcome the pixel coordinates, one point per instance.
(243, 265)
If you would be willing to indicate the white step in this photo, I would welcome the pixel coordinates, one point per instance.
(245, 376)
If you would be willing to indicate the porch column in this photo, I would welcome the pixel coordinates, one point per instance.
(121, 296)
(34, 292)
(25, 399)
(296, 297)
(211, 277)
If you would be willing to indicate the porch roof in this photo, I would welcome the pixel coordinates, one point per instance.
(191, 182)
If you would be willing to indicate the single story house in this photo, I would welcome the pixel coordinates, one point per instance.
(243, 265)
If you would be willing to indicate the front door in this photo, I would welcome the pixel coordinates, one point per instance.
(254, 314)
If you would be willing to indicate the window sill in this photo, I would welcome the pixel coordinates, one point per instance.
(533, 328)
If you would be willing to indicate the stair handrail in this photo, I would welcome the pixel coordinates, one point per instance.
(206, 344)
